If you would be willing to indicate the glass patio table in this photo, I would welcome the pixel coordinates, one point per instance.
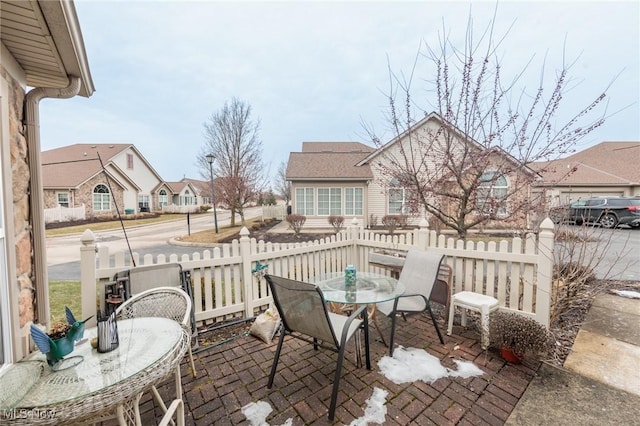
(102, 385)
(370, 288)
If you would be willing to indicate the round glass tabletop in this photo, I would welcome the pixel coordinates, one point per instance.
(370, 288)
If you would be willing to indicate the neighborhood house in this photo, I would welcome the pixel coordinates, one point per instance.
(100, 177)
(605, 169)
(351, 179)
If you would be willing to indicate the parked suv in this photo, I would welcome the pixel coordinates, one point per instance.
(607, 211)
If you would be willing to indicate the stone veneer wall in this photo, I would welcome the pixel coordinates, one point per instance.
(21, 183)
(50, 199)
(85, 195)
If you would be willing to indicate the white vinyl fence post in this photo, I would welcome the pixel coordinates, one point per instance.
(545, 272)
(247, 276)
(423, 234)
(88, 277)
(353, 231)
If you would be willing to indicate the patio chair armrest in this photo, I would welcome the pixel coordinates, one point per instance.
(397, 299)
(347, 326)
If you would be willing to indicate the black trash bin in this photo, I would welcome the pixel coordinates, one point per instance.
(288, 210)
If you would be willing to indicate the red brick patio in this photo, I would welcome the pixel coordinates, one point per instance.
(234, 374)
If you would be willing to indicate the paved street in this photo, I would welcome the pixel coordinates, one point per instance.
(63, 253)
(613, 253)
(616, 253)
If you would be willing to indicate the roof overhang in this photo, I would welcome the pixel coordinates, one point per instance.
(45, 39)
(326, 179)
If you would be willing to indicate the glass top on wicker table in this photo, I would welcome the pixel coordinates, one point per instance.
(149, 349)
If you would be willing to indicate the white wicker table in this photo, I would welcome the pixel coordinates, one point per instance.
(103, 385)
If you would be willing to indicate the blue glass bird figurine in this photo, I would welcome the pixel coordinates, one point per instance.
(58, 348)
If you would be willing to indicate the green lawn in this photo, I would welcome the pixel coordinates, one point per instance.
(61, 294)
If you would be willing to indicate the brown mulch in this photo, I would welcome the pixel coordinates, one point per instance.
(264, 234)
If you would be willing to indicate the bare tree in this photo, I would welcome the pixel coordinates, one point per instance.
(283, 187)
(472, 163)
(232, 137)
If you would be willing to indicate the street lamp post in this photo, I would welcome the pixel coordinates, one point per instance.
(213, 197)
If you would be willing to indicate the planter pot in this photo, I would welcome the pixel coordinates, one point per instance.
(509, 356)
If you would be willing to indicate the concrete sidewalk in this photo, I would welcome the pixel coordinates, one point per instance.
(600, 381)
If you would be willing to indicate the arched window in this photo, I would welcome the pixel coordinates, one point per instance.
(101, 198)
(492, 194)
(163, 200)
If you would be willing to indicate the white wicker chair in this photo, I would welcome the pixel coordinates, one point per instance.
(177, 408)
(163, 302)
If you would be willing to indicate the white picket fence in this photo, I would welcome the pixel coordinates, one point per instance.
(517, 272)
(175, 208)
(278, 211)
(64, 214)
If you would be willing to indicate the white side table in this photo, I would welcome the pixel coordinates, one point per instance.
(475, 302)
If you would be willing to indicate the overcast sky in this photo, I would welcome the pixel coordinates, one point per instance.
(314, 71)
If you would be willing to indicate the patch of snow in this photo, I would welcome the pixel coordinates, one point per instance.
(257, 412)
(627, 293)
(375, 411)
(411, 364)
(407, 365)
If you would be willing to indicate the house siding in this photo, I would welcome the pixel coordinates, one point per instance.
(428, 158)
(378, 189)
(141, 174)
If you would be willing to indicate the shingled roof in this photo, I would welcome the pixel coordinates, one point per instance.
(608, 163)
(329, 160)
(70, 166)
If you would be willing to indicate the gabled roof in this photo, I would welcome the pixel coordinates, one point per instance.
(177, 187)
(72, 165)
(329, 161)
(608, 163)
(464, 138)
(200, 186)
(336, 147)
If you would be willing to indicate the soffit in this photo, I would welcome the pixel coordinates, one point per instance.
(44, 38)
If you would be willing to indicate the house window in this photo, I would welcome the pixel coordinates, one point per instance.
(143, 201)
(492, 193)
(163, 200)
(329, 201)
(398, 199)
(187, 199)
(130, 161)
(353, 201)
(101, 198)
(304, 201)
(63, 199)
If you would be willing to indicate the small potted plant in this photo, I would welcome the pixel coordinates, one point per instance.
(518, 336)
